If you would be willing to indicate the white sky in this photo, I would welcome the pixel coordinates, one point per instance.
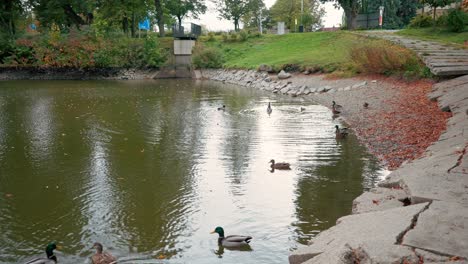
(210, 19)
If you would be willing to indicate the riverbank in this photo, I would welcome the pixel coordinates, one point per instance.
(68, 73)
(418, 214)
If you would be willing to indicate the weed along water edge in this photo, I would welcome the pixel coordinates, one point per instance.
(149, 168)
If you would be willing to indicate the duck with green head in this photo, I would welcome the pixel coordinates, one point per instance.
(51, 258)
(231, 241)
(341, 132)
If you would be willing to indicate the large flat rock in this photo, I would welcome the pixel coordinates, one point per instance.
(373, 234)
(442, 229)
(378, 199)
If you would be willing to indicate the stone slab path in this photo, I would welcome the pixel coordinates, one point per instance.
(441, 59)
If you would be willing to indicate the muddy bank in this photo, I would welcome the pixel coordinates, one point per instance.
(419, 213)
(37, 73)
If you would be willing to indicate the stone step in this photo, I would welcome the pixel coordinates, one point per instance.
(448, 54)
(447, 63)
(463, 59)
(450, 71)
(431, 58)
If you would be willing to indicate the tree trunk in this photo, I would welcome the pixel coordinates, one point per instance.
(132, 25)
(179, 18)
(351, 19)
(160, 17)
(125, 25)
(71, 14)
(236, 24)
(434, 17)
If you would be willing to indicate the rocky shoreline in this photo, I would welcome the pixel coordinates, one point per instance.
(419, 214)
(63, 73)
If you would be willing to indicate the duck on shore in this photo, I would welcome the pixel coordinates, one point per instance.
(341, 132)
(232, 241)
(336, 108)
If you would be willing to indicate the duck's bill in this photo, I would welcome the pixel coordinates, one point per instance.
(59, 247)
(212, 232)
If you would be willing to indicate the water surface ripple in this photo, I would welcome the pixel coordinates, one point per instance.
(149, 168)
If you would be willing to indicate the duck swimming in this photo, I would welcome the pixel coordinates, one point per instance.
(279, 165)
(269, 110)
(232, 241)
(222, 108)
(51, 258)
(341, 132)
(102, 257)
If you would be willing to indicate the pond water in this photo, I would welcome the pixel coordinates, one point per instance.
(149, 168)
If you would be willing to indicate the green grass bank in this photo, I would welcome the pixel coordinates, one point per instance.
(342, 53)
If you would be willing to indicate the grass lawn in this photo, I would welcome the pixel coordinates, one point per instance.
(437, 34)
(325, 50)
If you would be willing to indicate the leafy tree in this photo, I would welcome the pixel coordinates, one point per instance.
(10, 10)
(407, 10)
(126, 13)
(434, 4)
(63, 13)
(233, 10)
(351, 9)
(257, 13)
(160, 17)
(181, 8)
(290, 10)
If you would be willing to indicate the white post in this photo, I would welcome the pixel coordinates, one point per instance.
(260, 23)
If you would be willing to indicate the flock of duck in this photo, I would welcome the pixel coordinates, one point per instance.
(232, 241)
(100, 257)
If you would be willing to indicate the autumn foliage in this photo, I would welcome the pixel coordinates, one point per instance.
(409, 125)
(80, 49)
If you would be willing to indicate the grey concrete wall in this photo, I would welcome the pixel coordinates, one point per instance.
(183, 46)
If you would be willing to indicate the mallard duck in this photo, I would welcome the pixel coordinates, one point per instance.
(231, 241)
(102, 257)
(222, 108)
(302, 109)
(279, 165)
(269, 110)
(366, 105)
(51, 258)
(336, 108)
(341, 132)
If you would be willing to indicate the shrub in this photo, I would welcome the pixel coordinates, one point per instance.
(224, 36)
(207, 57)
(243, 35)
(421, 21)
(384, 58)
(211, 36)
(256, 34)
(442, 20)
(153, 56)
(456, 20)
(233, 36)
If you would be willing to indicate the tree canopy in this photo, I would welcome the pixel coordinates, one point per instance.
(290, 10)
